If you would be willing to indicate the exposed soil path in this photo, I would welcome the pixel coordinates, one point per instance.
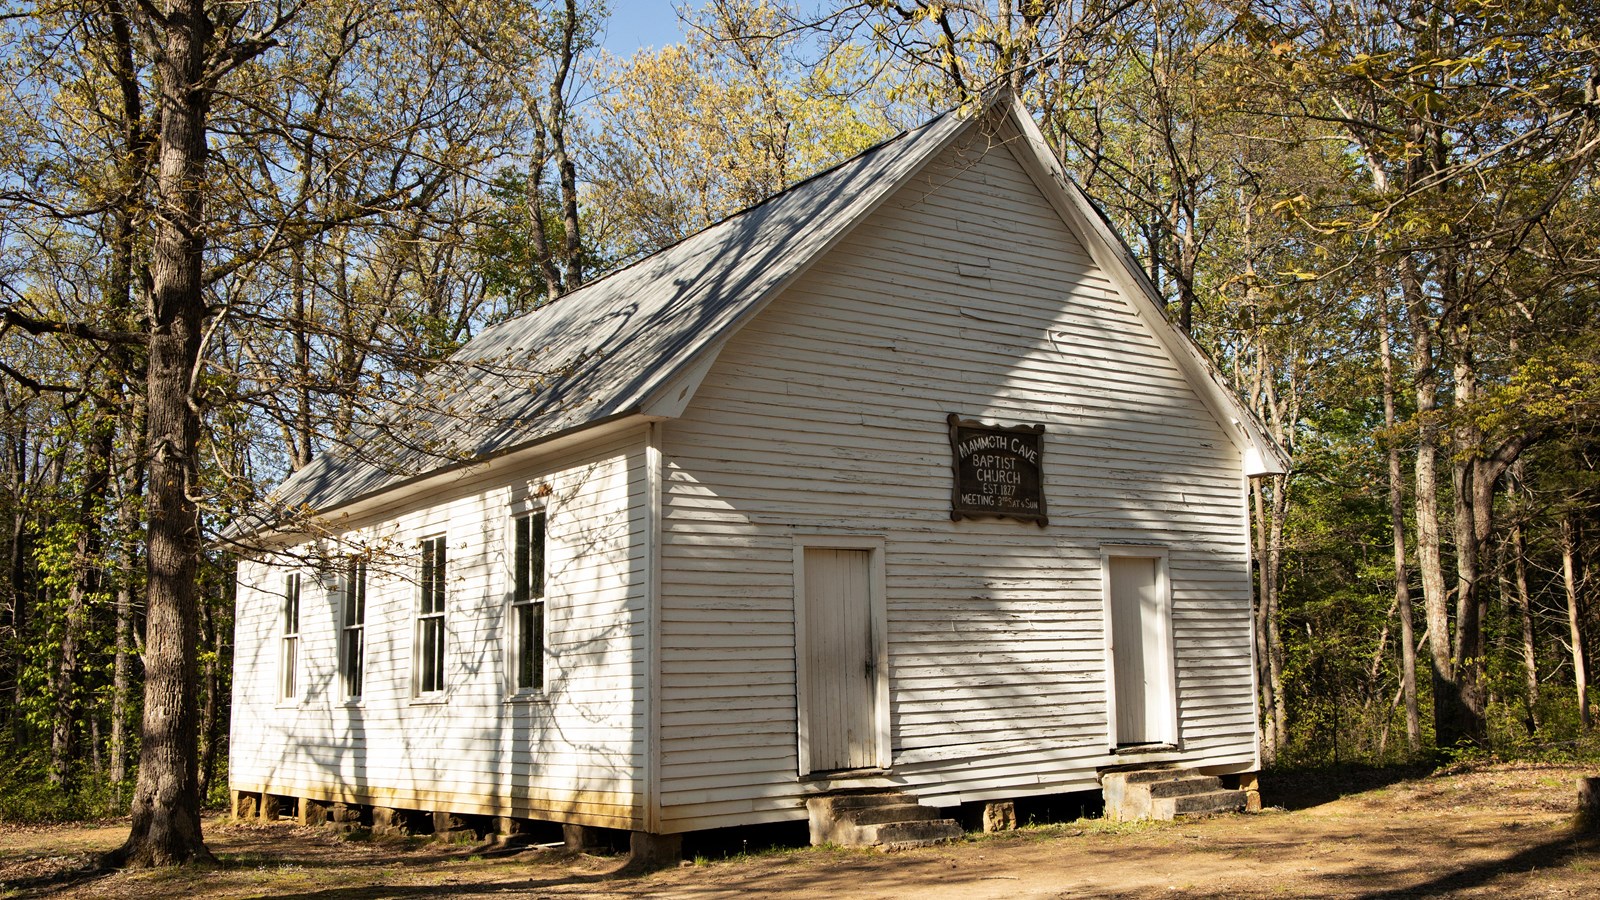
(1497, 831)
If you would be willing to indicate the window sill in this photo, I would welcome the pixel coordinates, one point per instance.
(354, 703)
(430, 700)
(538, 696)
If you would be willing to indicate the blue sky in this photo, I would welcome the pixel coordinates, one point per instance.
(642, 23)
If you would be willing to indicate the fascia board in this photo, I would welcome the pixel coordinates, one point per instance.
(391, 500)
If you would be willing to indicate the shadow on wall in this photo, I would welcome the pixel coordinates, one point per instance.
(476, 751)
(995, 626)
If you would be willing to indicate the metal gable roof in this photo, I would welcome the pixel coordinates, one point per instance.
(598, 352)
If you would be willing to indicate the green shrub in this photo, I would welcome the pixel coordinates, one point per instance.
(27, 796)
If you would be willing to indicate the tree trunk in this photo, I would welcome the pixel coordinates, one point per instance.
(1476, 475)
(19, 587)
(1280, 703)
(1430, 563)
(210, 716)
(566, 169)
(166, 800)
(1263, 630)
(86, 582)
(1580, 673)
(1397, 527)
(1269, 544)
(123, 667)
(1466, 713)
(1473, 481)
(1530, 659)
(120, 299)
(299, 335)
(121, 678)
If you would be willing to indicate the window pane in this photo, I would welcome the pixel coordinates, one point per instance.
(291, 605)
(425, 661)
(438, 575)
(431, 660)
(355, 594)
(536, 555)
(530, 646)
(536, 641)
(428, 565)
(524, 649)
(289, 659)
(354, 651)
(519, 560)
(438, 654)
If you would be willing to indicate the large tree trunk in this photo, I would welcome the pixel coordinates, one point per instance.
(166, 799)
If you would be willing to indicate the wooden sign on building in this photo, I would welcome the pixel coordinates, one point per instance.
(998, 471)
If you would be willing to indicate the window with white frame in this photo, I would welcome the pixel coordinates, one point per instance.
(527, 602)
(428, 655)
(353, 629)
(288, 669)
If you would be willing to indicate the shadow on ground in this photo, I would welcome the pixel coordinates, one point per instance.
(46, 877)
(1553, 854)
(1309, 787)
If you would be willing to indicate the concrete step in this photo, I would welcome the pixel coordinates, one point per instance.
(1181, 787)
(878, 815)
(887, 819)
(905, 835)
(1167, 808)
(838, 803)
(1164, 792)
(1146, 776)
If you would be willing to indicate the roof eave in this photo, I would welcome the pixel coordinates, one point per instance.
(346, 513)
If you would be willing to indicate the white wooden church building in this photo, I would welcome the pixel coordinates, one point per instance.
(898, 479)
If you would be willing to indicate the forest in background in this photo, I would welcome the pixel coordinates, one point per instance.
(232, 232)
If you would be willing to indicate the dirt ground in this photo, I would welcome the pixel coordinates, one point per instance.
(1492, 831)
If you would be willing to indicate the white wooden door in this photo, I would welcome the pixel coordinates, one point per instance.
(1139, 651)
(840, 661)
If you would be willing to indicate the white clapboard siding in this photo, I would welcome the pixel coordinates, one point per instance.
(574, 754)
(964, 293)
